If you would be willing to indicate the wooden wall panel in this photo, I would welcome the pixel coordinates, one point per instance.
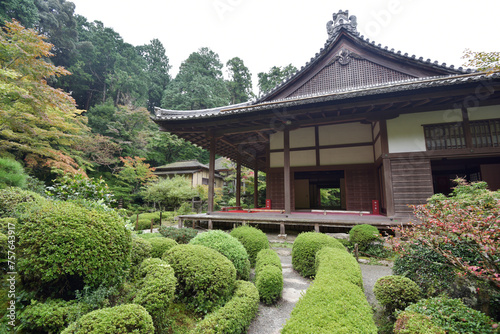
(411, 184)
(275, 190)
(360, 188)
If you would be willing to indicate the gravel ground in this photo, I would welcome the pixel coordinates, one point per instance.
(270, 319)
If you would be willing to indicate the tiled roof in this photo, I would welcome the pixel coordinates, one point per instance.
(182, 165)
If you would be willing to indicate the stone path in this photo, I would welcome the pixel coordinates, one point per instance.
(271, 319)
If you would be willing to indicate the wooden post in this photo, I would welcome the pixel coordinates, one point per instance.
(211, 175)
(161, 221)
(238, 179)
(152, 222)
(316, 227)
(356, 252)
(256, 186)
(179, 222)
(286, 171)
(282, 228)
(210, 224)
(137, 223)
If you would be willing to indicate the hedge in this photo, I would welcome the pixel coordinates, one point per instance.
(180, 235)
(268, 276)
(363, 235)
(396, 292)
(62, 245)
(228, 246)
(11, 198)
(205, 277)
(156, 291)
(235, 316)
(342, 265)
(141, 250)
(50, 316)
(332, 304)
(160, 245)
(128, 318)
(449, 315)
(253, 239)
(304, 251)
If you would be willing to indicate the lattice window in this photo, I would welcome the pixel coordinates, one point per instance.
(444, 136)
(485, 133)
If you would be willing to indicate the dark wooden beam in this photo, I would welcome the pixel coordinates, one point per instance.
(286, 172)
(211, 175)
(238, 179)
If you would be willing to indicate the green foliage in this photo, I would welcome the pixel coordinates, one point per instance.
(4, 224)
(271, 79)
(304, 251)
(63, 246)
(396, 292)
(240, 81)
(80, 187)
(416, 323)
(161, 245)
(235, 316)
(169, 193)
(267, 257)
(141, 250)
(269, 283)
(330, 198)
(145, 220)
(363, 235)
(12, 174)
(129, 318)
(205, 277)
(157, 291)
(96, 298)
(50, 316)
(11, 198)
(335, 262)
(332, 304)
(180, 235)
(4, 248)
(450, 315)
(228, 246)
(253, 239)
(23, 11)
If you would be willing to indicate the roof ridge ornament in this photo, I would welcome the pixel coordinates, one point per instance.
(341, 20)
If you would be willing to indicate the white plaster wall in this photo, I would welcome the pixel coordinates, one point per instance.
(378, 148)
(376, 129)
(276, 141)
(346, 155)
(347, 133)
(277, 159)
(406, 134)
(490, 112)
(303, 158)
(303, 137)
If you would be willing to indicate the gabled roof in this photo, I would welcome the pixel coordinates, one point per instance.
(182, 165)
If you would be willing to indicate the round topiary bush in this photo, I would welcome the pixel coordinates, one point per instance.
(205, 277)
(269, 282)
(414, 323)
(156, 291)
(304, 251)
(141, 250)
(363, 235)
(63, 246)
(11, 198)
(449, 315)
(267, 257)
(253, 239)
(129, 318)
(228, 246)
(396, 292)
(161, 245)
(180, 235)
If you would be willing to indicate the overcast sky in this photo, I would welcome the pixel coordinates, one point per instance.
(278, 32)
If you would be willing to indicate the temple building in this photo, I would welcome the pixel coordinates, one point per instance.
(383, 127)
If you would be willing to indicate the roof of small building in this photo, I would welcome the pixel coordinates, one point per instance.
(187, 164)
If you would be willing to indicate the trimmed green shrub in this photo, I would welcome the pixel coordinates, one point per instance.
(450, 315)
(236, 315)
(396, 292)
(253, 239)
(12, 174)
(331, 304)
(269, 283)
(4, 246)
(304, 251)
(267, 257)
(180, 235)
(161, 245)
(205, 277)
(415, 323)
(5, 223)
(336, 262)
(11, 198)
(156, 291)
(228, 246)
(50, 316)
(64, 246)
(363, 235)
(141, 250)
(129, 318)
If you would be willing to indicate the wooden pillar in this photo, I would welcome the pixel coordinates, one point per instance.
(256, 186)
(238, 180)
(286, 171)
(211, 175)
(210, 224)
(389, 195)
